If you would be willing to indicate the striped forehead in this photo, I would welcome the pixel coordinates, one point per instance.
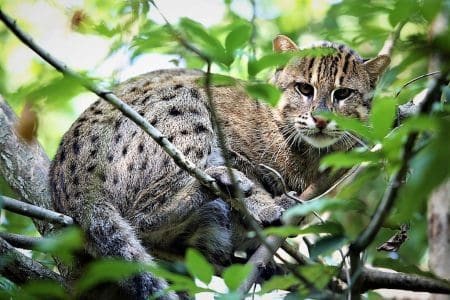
(331, 69)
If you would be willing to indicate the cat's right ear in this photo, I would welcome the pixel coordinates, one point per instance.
(282, 43)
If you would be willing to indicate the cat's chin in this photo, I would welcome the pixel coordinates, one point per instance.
(320, 140)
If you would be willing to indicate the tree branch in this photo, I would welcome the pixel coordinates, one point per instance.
(21, 269)
(24, 165)
(33, 211)
(21, 241)
(377, 279)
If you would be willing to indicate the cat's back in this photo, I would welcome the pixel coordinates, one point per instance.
(104, 155)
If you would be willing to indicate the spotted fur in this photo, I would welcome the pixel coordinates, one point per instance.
(131, 199)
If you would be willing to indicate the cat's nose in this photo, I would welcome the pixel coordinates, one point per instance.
(320, 122)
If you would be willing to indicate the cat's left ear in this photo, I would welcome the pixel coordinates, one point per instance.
(376, 66)
(282, 43)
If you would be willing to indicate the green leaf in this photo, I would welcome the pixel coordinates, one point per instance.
(382, 117)
(234, 275)
(229, 296)
(288, 230)
(320, 275)
(403, 10)
(279, 283)
(198, 266)
(63, 244)
(218, 80)
(41, 290)
(107, 270)
(429, 168)
(349, 159)
(374, 296)
(178, 282)
(58, 90)
(319, 205)
(280, 59)
(327, 245)
(207, 43)
(430, 9)
(265, 92)
(351, 125)
(238, 37)
(272, 60)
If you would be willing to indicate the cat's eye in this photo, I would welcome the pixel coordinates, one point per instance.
(342, 94)
(304, 89)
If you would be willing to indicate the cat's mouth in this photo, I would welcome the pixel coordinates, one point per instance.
(320, 139)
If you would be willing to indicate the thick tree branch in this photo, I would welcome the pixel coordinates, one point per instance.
(33, 211)
(21, 269)
(375, 279)
(21, 241)
(23, 165)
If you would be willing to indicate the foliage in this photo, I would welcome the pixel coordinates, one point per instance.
(239, 48)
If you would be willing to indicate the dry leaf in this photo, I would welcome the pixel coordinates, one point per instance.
(394, 243)
(26, 126)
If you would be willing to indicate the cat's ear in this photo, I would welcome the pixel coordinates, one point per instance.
(376, 66)
(282, 43)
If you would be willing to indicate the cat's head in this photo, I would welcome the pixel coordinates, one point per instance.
(334, 79)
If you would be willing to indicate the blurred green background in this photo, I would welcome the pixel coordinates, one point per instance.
(114, 40)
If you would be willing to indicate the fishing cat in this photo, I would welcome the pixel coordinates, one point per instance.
(134, 203)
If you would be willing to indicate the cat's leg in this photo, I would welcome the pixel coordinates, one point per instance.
(108, 234)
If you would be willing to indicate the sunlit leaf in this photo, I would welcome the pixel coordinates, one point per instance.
(382, 117)
(64, 244)
(107, 270)
(206, 41)
(272, 60)
(238, 37)
(234, 275)
(178, 282)
(319, 275)
(349, 159)
(218, 80)
(430, 9)
(352, 125)
(198, 266)
(265, 92)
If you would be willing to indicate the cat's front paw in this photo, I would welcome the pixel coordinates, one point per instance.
(287, 201)
(271, 215)
(144, 285)
(220, 174)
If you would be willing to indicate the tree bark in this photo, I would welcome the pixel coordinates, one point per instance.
(24, 165)
(439, 234)
(22, 269)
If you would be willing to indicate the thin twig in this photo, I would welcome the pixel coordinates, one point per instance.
(254, 31)
(34, 211)
(111, 98)
(414, 80)
(389, 43)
